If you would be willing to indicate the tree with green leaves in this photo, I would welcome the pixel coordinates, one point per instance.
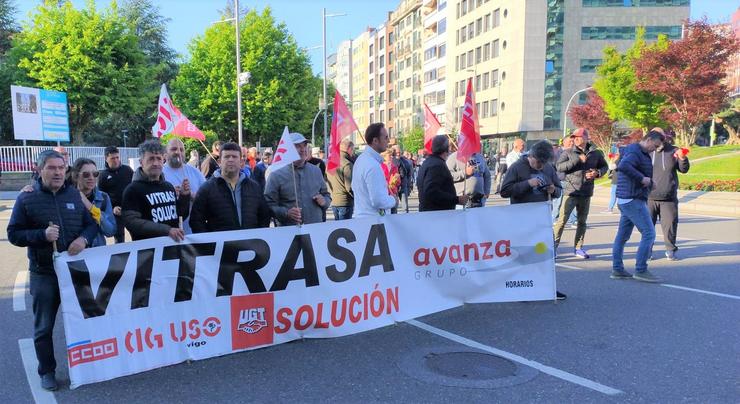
(150, 27)
(616, 84)
(93, 56)
(8, 26)
(730, 120)
(413, 141)
(282, 89)
(688, 74)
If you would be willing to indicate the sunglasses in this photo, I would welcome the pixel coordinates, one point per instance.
(88, 174)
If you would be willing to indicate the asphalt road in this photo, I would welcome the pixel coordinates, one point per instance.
(610, 341)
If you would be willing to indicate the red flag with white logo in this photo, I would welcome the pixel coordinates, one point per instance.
(468, 140)
(431, 127)
(286, 152)
(171, 120)
(342, 125)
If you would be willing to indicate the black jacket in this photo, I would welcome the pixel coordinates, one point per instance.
(570, 164)
(214, 208)
(435, 186)
(665, 169)
(114, 182)
(515, 184)
(150, 208)
(209, 166)
(31, 215)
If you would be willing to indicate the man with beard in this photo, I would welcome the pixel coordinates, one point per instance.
(151, 206)
(668, 160)
(178, 172)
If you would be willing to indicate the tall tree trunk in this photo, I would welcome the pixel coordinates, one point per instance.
(733, 134)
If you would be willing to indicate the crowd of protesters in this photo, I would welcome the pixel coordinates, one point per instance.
(70, 207)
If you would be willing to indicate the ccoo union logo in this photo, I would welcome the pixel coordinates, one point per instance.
(251, 320)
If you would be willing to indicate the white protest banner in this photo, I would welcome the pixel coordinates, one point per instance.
(137, 306)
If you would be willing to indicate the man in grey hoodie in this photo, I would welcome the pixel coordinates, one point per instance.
(668, 160)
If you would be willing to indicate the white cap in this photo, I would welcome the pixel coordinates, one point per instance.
(298, 138)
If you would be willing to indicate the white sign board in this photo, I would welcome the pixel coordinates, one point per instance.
(39, 114)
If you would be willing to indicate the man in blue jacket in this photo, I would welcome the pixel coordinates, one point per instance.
(47, 220)
(633, 187)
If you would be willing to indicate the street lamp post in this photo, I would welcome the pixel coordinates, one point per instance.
(238, 73)
(124, 132)
(565, 113)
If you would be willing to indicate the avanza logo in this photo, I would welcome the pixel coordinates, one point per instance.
(91, 351)
(251, 320)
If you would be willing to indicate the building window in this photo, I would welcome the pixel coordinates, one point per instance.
(629, 33)
(495, 49)
(494, 78)
(441, 5)
(478, 26)
(442, 26)
(494, 107)
(471, 30)
(371, 50)
(371, 67)
(478, 55)
(486, 51)
(441, 97)
(484, 111)
(636, 3)
(381, 82)
(470, 58)
(381, 43)
(486, 75)
(441, 73)
(390, 58)
(382, 116)
(381, 61)
(486, 22)
(457, 63)
(477, 83)
(371, 84)
(589, 65)
(442, 51)
(463, 7)
(463, 34)
(496, 17)
(462, 61)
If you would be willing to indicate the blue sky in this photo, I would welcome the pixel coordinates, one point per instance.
(189, 18)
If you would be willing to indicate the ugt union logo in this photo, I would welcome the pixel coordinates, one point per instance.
(251, 320)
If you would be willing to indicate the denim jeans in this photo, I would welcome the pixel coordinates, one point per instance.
(613, 199)
(342, 212)
(45, 293)
(634, 214)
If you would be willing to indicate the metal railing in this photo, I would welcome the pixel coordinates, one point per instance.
(23, 158)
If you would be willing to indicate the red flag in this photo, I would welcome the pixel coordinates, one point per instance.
(171, 120)
(431, 127)
(342, 125)
(468, 140)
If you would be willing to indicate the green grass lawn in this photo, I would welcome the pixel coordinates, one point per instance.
(698, 152)
(720, 168)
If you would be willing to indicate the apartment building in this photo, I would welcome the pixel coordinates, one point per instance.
(359, 102)
(434, 64)
(407, 26)
(528, 58)
(341, 72)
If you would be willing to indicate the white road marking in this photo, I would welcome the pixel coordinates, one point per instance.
(560, 374)
(668, 285)
(566, 266)
(28, 354)
(19, 291)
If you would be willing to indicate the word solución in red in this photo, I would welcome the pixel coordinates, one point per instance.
(335, 314)
(457, 253)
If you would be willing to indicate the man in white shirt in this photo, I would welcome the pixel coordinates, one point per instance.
(177, 171)
(368, 181)
(515, 153)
